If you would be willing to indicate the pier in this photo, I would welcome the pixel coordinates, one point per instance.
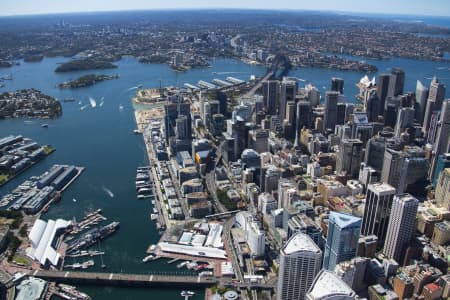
(126, 280)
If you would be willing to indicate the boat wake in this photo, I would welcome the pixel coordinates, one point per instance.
(84, 107)
(108, 191)
(133, 88)
(102, 101)
(92, 102)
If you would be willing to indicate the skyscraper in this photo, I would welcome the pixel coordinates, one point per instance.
(271, 93)
(304, 115)
(435, 97)
(375, 152)
(405, 119)
(382, 91)
(443, 189)
(349, 157)
(300, 261)
(337, 85)
(402, 225)
(443, 162)
(396, 82)
(421, 101)
(289, 87)
(442, 142)
(372, 105)
(394, 169)
(379, 198)
(330, 115)
(342, 239)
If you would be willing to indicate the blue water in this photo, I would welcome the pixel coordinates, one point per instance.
(101, 140)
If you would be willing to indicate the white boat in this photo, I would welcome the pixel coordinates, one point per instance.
(182, 264)
(148, 257)
(144, 190)
(92, 102)
(187, 293)
(136, 131)
(120, 107)
(74, 200)
(153, 217)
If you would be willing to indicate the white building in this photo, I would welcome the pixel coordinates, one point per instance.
(256, 238)
(300, 261)
(42, 236)
(402, 225)
(254, 235)
(327, 286)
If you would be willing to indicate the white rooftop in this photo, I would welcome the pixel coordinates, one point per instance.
(300, 242)
(381, 187)
(193, 250)
(42, 236)
(327, 285)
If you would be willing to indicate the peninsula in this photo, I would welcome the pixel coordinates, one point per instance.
(86, 80)
(29, 103)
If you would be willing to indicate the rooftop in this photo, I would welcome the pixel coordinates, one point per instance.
(327, 284)
(300, 243)
(344, 220)
(381, 187)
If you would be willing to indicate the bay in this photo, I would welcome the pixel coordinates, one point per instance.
(101, 140)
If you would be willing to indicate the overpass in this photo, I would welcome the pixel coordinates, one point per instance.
(125, 280)
(279, 61)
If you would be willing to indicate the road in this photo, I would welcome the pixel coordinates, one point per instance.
(212, 189)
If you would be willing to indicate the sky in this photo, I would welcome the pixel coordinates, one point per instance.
(406, 7)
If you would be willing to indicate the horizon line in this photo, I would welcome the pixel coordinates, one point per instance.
(343, 12)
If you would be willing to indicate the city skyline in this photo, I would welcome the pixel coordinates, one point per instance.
(436, 8)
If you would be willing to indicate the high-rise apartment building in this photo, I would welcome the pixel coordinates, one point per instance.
(300, 261)
(402, 225)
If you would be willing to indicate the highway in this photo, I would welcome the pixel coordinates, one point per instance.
(211, 185)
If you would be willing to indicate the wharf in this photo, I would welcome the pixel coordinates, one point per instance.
(142, 120)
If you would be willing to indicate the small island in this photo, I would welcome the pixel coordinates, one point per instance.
(86, 80)
(29, 103)
(84, 64)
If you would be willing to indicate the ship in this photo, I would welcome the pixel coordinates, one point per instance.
(187, 293)
(91, 237)
(44, 125)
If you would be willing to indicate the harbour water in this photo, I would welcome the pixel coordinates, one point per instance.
(102, 140)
